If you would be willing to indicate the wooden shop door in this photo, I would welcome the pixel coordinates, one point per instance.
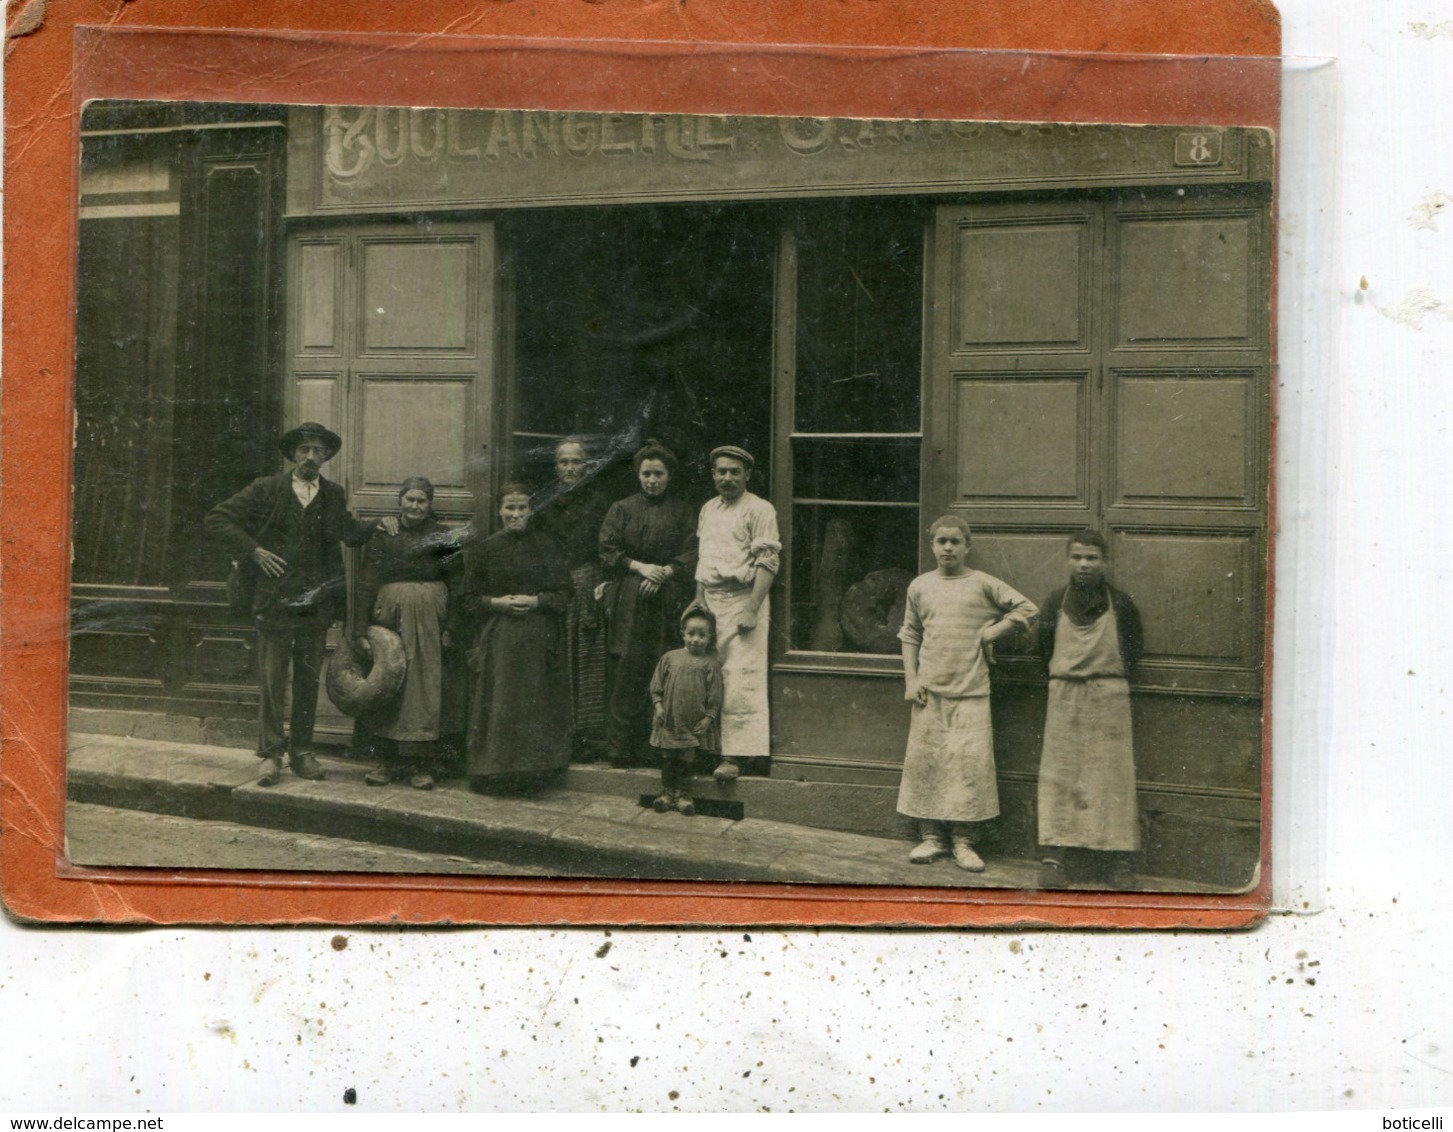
(391, 343)
(1105, 361)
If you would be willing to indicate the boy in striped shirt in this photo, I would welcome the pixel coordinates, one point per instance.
(951, 620)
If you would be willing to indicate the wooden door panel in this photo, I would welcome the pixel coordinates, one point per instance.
(1188, 281)
(220, 658)
(1022, 284)
(1195, 591)
(436, 443)
(1185, 439)
(120, 658)
(1033, 562)
(316, 396)
(317, 313)
(417, 295)
(1021, 440)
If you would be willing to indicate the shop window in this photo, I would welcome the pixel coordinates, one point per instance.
(855, 433)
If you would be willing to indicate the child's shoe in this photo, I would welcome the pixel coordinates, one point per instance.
(421, 780)
(1053, 874)
(684, 804)
(664, 802)
(964, 855)
(726, 771)
(933, 847)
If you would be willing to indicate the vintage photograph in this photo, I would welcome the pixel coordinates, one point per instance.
(822, 501)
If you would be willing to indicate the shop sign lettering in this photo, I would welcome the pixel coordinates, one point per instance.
(374, 157)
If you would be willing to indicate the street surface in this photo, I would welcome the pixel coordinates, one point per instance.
(137, 838)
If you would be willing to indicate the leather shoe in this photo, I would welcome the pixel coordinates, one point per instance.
(932, 848)
(965, 857)
(381, 776)
(272, 771)
(306, 766)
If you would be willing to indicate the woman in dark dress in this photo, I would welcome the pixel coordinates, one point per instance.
(571, 510)
(517, 585)
(648, 545)
(406, 585)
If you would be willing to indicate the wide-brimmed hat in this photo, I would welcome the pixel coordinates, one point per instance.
(310, 430)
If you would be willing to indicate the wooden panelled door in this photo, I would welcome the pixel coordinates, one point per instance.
(1104, 362)
(391, 343)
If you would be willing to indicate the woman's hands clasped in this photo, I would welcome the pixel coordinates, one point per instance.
(515, 605)
(652, 577)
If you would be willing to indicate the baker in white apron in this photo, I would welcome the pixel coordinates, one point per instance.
(739, 555)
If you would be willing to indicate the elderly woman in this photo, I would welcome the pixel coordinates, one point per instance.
(648, 545)
(516, 584)
(405, 586)
(571, 510)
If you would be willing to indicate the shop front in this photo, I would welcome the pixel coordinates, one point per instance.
(1038, 327)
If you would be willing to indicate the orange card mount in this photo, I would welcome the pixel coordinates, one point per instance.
(927, 258)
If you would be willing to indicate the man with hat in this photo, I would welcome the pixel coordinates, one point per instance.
(739, 553)
(287, 528)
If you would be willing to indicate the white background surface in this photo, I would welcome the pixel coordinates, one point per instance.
(468, 1020)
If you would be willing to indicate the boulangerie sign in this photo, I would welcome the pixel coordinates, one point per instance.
(379, 158)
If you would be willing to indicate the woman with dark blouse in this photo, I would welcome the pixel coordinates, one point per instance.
(517, 586)
(406, 586)
(648, 545)
(571, 510)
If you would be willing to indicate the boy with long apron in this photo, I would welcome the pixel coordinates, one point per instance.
(951, 619)
(1090, 637)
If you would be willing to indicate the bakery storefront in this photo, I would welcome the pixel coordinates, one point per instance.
(1039, 327)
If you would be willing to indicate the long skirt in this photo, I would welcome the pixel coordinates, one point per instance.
(1087, 771)
(745, 723)
(585, 632)
(415, 611)
(948, 768)
(519, 716)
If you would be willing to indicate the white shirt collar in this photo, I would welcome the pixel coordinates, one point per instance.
(305, 490)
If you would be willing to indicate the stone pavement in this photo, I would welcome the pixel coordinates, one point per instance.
(568, 832)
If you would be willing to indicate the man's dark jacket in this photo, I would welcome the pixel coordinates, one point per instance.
(1127, 626)
(267, 513)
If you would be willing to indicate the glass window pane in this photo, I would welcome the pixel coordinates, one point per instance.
(859, 470)
(859, 316)
(851, 567)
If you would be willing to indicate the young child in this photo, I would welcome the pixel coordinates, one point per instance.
(1090, 637)
(686, 692)
(952, 618)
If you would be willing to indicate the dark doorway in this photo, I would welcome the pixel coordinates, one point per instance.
(637, 322)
